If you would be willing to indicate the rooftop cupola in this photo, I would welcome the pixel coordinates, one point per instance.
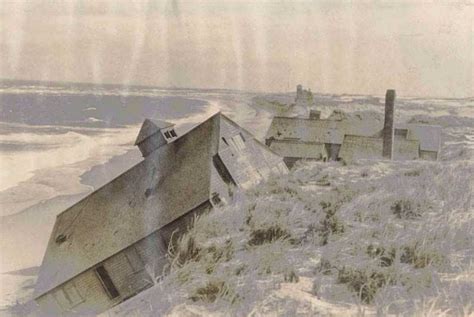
(153, 134)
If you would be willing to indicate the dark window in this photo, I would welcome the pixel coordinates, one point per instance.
(167, 134)
(173, 134)
(106, 281)
(242, 136)
(225, 141)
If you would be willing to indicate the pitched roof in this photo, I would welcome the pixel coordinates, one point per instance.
(150, 127)
(320, 131)
(245, 131)
(132, 206)
(249, 162)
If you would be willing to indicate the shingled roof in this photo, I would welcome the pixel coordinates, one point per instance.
(140, 201)
(320, 131)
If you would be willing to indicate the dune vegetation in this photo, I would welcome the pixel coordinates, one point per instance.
(370, 238)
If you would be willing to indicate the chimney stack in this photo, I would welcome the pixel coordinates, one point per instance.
(388, 128)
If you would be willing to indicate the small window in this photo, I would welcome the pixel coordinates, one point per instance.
(60, 297)
(68, 296)
(173, 134)
(107, 282)
(72, 294)
(167, 135)
(225, 141)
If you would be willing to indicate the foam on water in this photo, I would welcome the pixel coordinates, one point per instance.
(27, 174)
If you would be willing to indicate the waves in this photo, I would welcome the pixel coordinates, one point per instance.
(42, 165)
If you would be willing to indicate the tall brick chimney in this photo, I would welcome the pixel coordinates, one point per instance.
(388, 129)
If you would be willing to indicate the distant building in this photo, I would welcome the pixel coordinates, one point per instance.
(303, 101)
(303, 95)
(339, 137)
(102, 247)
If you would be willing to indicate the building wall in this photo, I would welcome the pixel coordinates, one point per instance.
(359, 147)
(131, 271)
(293, 151)
(405, 149)
(429, 155)
(356, 147)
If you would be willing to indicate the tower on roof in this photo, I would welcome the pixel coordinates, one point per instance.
(153, 134)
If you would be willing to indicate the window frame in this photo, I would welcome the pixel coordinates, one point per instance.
(66, 295)
(107, 282)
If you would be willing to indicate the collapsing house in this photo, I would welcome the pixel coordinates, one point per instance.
(336, 138)
(102, 249)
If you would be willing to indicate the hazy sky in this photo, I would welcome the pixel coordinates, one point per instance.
(417, 47)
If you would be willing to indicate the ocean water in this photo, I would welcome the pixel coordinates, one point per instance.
(58, 142)
(51, 135)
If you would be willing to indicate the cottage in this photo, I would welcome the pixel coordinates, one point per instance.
(341, 137)
(104, 249)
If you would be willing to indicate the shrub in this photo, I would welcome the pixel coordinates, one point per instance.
(211, 292)
(412, 173)
(186, 251)
(404, 209)
(330, 224)
(386, 257)
(267, 235)
(420, 258)
(364, 283)
(291, 277)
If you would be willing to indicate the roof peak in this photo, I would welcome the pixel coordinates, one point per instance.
(150, 127)
(160, 123)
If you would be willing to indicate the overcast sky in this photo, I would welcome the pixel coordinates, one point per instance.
(417, 47)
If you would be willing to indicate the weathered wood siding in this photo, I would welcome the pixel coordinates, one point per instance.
(129, 278)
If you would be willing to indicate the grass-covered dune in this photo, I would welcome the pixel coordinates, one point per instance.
(371, 238)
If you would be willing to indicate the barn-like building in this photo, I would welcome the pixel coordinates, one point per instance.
(102, 249)
(348, 139)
